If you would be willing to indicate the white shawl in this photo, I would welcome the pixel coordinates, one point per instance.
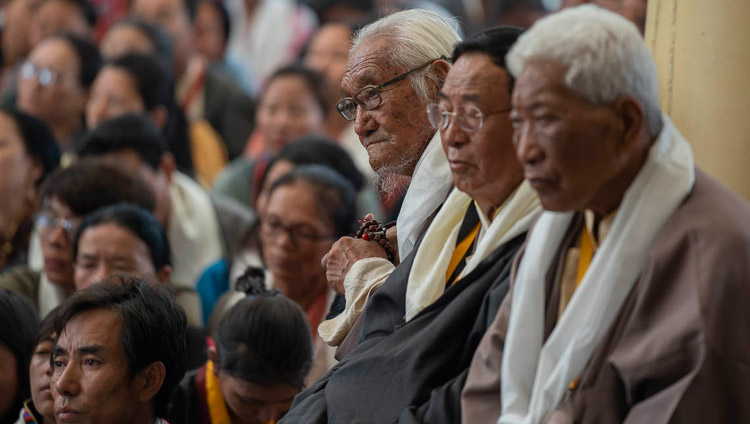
(430, 184)
(193, 231)
(536, 375)
(427, 275)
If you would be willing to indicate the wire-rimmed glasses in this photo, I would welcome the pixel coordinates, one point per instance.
(369, 97)
(469, 117)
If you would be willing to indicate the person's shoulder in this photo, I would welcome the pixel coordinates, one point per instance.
(185, 399)
(22, 280)
(229, 209)
(712, 212)
(239, 167)
(706, 241)
(20, 272)
(220, 85)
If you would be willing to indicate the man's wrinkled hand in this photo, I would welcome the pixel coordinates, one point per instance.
(344, 253)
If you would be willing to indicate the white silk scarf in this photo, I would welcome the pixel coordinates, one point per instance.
(427, 275)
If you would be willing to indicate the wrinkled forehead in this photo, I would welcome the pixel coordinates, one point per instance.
(91, 327)
(370, 64)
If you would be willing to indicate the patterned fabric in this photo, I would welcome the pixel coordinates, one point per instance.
(27, 417)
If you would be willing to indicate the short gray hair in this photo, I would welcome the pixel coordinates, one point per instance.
(605, 56)
(417, 36)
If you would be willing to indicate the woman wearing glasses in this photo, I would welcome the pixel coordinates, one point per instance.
(307, 210)
(53, 85)
(66, 197)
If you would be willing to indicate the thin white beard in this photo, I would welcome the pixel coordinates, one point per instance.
(391, 179)
(387, 182)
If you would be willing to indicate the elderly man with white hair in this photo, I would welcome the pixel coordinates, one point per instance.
(420, 329)
(396, 68)
(629, 303)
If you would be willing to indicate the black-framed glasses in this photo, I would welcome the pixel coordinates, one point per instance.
(45, 76)
(297, 234)
(468, 118)
(46, 224)
(369, 97)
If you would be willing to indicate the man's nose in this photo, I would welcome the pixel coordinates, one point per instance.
(364, 123)
(101, 273)
(527, 145)
(67, 383)
(56, 236)
(454, 135)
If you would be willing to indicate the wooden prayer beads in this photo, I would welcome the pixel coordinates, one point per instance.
(372, 230)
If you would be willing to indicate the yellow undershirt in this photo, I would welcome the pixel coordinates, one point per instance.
(460, 252)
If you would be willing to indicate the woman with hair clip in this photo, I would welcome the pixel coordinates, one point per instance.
(260, 356)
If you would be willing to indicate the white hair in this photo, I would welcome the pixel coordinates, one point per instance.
(604, 54)
(416, 36)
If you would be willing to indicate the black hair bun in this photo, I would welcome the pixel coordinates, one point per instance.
(252, 281)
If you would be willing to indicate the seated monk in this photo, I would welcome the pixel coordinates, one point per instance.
(629, 302)
(420, 329)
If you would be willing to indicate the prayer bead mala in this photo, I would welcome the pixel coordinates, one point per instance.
(373, 230)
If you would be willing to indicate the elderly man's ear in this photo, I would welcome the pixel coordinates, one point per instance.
(440, 67)
(632, 123)
(150, 380)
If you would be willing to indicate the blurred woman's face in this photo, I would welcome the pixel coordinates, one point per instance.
(329, 53)
(122, 39)
(287, 111)
(39, 376)
(209, 32)
(295, 235)
(57, 227)
(52, 17)
(18, 175)
(49, 85)
(8, 380)
(113, 93)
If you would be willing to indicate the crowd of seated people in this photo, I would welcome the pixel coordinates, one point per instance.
(308, 211)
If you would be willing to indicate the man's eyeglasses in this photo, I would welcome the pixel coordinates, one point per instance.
(45, 76)
(369, 97)
(46, 224)
(298, 234)
(469, 118)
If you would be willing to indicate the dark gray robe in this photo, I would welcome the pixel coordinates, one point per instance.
(411, 371)
(679, 351)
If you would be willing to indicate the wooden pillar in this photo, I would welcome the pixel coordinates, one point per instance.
(702, 53)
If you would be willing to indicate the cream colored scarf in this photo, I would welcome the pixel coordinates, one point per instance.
(193, 231)
(427, 275)
(536, 374)
(430, 184)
